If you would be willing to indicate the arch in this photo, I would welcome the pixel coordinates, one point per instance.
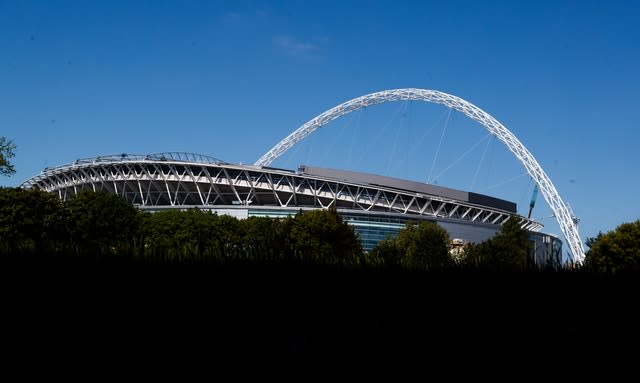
(568, 223)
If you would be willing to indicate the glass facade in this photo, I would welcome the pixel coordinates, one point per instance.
(373, 228)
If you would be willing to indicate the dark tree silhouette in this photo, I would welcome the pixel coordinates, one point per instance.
(616, 251)
(323, 235)
(424, 246)
(30, 221)
(509, 250)
(386, 252)
(6, 152)
(101, 223)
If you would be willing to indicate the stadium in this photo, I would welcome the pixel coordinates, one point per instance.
(376, 206)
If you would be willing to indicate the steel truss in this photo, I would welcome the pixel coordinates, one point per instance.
(151, 183)
(568, 223)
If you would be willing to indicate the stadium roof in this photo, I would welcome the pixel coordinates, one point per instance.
(410, 186)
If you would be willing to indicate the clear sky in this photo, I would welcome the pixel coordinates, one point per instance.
(231, 78)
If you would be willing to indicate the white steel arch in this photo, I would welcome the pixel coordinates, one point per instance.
(568, 223)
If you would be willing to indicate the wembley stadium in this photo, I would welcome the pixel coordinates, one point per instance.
(376, 206)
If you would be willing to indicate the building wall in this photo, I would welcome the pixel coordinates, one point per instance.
(372, 228)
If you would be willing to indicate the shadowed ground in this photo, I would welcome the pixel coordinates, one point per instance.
(551, 326)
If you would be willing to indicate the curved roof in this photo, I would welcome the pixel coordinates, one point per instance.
(411, 186)
(179, 180)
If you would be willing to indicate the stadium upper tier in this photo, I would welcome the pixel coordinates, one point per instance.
(184, 180)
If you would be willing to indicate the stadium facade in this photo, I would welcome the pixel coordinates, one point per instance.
(376, 206)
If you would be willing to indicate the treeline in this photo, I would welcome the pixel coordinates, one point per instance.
(33, 222)
(103, 224)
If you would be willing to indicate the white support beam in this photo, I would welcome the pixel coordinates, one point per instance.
(566, 220)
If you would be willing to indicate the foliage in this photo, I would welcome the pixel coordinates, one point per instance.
(98, 223)
(323, 235)
(33, 221)
(30, 221)
(196, 234)
(182, 235)
(7, 148)
(590, 241)
(386, 252)
(101, 222)
(417, 246)
(509, 250)
(267, 238)
(616, 251)
(424, 246)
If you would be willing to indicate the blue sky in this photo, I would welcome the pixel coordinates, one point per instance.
(230, 79)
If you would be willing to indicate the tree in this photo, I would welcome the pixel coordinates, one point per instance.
(177, 235)
(592, 240)
(417, 246)
(385, 252)
(424, 246)
(174, 234)
(616, 251)
(322, 235)
(6, 152)
(265, 238)
(102, 223)
(509, 250)
(31, 221)
(228, 234)
(192, 234)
